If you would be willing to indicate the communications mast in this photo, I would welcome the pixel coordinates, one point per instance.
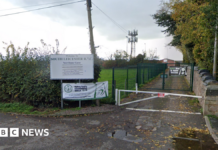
(133, 39)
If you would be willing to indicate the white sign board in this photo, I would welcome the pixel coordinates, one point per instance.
(71, 66)
(84, 91)
(178, 70)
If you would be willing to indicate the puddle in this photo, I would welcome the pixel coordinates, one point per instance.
(123, 135)
(194, 140)
(119, 134)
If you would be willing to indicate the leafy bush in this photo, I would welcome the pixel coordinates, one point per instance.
(25, 77)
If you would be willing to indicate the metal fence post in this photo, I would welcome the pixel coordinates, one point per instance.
(143, 81)
(155, 70)
(192, 75)
(127, 78)
(163, 76)
(113, 84)
(137, 74)
(148, 73)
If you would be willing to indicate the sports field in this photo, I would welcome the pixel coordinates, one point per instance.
(120, 76)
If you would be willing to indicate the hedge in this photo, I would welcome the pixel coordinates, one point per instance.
(25, 77)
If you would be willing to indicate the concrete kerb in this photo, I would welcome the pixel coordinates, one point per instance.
(211, 130)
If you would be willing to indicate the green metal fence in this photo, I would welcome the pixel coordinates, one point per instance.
(178, 81)
(175, 81)
(149, 71)
(125, 78)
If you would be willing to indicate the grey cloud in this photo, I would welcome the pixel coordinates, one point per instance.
(130, 14)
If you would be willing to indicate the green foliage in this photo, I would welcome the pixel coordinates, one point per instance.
(121, 59)
(107, 64)
(201, 110)
(93, 105)
(22, 108)
(15, 107)
(75, 109)
(165, 20)
(212, 116)
(192, 23)
(108, 100)
(193, 102)
(121, 54)
(25, 77)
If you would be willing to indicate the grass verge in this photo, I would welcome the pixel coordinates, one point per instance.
(22, 108)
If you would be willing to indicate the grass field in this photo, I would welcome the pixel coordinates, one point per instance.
(120, 76)
(106, 75)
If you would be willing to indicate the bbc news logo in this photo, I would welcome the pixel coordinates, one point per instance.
(14, 132)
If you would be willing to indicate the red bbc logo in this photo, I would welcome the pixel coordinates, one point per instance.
(161, 94)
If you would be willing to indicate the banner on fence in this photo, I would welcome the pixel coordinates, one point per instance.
(71, 66)
(85, 91)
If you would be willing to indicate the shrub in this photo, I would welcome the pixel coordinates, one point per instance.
(25, 77)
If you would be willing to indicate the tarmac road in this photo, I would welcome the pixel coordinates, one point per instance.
(121, 129)
(95, 131)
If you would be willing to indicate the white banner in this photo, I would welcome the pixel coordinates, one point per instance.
(71, 66)
(83, 91)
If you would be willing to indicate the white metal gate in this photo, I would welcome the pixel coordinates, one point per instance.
(158, 94)
(153, 95)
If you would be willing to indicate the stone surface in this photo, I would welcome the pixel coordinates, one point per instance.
(207, 92)
(147, 123)
(206, 78)
(212, 87)
(213, 108)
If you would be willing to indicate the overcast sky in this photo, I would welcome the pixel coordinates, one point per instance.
(69, 24)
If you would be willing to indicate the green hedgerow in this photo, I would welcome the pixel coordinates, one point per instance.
(25, 77)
